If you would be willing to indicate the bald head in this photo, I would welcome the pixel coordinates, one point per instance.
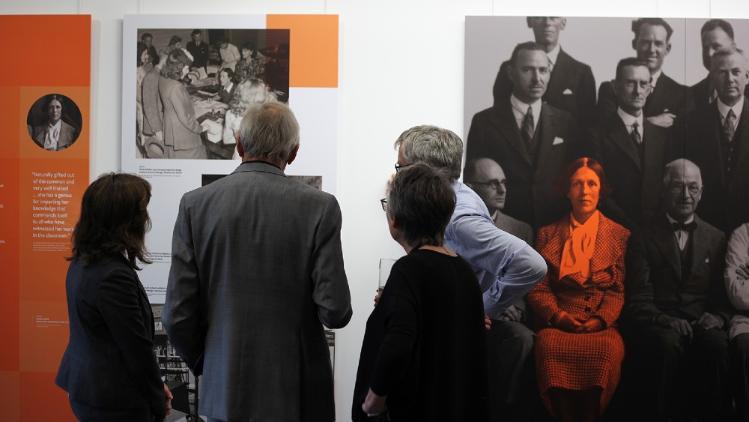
(488, 180)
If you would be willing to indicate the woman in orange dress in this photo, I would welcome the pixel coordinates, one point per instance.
(578, 349)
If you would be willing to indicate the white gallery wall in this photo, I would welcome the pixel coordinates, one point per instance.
(400, 64)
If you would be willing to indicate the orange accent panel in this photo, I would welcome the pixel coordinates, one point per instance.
(10, 395)
(42, 400)
(46, 50)
(313, 49)
(9, 97)
(44, 335)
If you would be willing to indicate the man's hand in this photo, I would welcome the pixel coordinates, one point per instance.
(592, 325)
(566, 322)
(373, 404)
(663, 120)
(487, 322)
(742, 272)
(681, 326)
(513, 313)
(709, 321)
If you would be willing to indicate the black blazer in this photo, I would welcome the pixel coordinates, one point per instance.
(109, 362)
(668, 96)
(225, 97)
(725, 197)
(701, 92)
(571, 88)
(655, 283)
(635, 182)
(531, 193)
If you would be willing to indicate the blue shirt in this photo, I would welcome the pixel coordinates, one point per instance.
(506, 267)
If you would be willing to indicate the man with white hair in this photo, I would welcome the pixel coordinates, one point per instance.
(506, 267)
(257, 269)
(716, 138)
(677, 306)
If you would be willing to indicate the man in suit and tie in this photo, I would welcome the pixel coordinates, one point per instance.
(571, 86)
(631, 149)
(677, 309)
(668, 98)
(715, 35)
(531, 140)
(716, 138)
(256, 271)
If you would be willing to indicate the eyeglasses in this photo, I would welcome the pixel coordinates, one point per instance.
(384, 203)
(692, 188)
(495, 184)
(399, 167)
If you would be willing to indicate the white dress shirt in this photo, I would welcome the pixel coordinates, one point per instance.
(519, 109)
(682, 236)
(629, 120)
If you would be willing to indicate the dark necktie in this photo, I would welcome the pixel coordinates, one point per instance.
(688, 227)
(636, 137)
(729, 125)
(527, 129)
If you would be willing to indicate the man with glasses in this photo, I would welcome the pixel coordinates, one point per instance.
(677, 306)
(532, 140)
(572, 87)
(510, 336)
(505, 266)
(631, 149)
(668, 99)
(716, 138)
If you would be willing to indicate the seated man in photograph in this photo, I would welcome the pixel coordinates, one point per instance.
(228, 87)
(531, 140)
(737, 287)
(676, 308)
(510, 336)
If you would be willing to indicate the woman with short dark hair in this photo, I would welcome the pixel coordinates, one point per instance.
(578, 348)
(423, 354)
(109, 368)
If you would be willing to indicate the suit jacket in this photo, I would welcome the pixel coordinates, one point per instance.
(226, 97)
(700, 93)
(668, 96)
(725, 202)
(153, 109)
(68, 135)
(256, 271)
(531, 195)
(655, 283)
(571, 88)
(109, 362)
(601, 295)
(181, 129)
(635, 182)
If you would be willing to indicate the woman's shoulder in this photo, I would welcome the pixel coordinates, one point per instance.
(613, 229)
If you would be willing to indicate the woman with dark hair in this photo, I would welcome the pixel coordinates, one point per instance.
(109, 368)
(423, 355)
(578, 349)
(54, 134)
(181, 128)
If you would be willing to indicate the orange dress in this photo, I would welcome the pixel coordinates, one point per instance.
(581, 361)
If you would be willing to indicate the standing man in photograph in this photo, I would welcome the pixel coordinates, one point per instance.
(229, 55)
(631, 149)
(716, 138)
(715, 35)
(147, 39)
(668, 99)
(531, 140)
(257, 270)
(199, 51)
(572, 87)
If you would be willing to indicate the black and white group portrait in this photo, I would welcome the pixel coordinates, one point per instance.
(655, 113)
(194, 86)
(54, 122)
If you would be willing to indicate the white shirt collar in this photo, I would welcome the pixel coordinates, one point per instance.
(723, 108)
(654, 78)
(553, 55)
(629, 119)
(519, 109)
(228, 87)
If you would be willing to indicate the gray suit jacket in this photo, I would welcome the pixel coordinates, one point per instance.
(257, 268)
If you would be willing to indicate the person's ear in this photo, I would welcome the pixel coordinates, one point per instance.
(668, 47)
(292, 155)
(240, 148)
(634, 43)
(562, 24)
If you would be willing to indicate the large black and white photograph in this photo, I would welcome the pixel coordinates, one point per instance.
(193, 86)
(619, 146)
